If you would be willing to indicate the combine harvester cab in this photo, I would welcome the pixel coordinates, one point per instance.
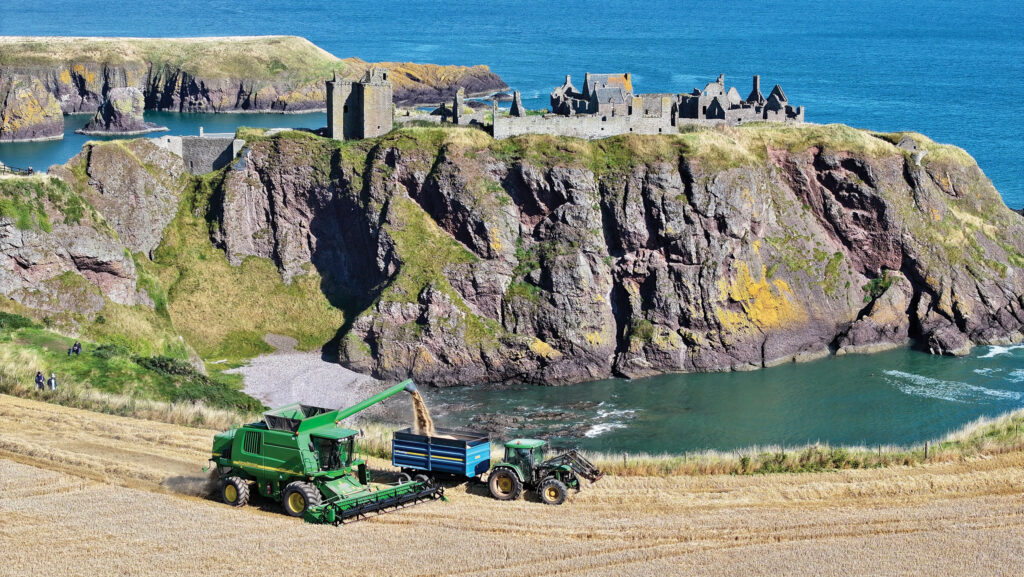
(301, 456)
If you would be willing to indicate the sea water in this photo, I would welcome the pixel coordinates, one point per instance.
(951, 70)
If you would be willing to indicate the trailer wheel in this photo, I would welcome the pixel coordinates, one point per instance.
(234, 491)
(553, 492)
(504, 485)
(421, 478)
(298, 497)
(404, 478)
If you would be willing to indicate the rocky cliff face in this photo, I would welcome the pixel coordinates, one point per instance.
(273, 74)
(459, 259)
(58, 254)
(28, 111)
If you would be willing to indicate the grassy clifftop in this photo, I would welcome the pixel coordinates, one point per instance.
(255, 58)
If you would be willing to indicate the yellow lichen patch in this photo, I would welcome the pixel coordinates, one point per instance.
(423, 359)
(543, 349)
(936, 215)
(599, 298)
(65, 76)
(595, 338)
(496, 245)
(757, 246)
(765, 304)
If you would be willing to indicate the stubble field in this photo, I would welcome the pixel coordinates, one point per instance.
(89, 494)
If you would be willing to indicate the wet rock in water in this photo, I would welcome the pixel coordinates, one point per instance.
(121, 113)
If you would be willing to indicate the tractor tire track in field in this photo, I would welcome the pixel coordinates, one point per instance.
(98, 489)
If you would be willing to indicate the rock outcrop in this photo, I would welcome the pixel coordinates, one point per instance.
(121, 113)
(554, 260)
(134, 184)
(58, 255)
(28, 111)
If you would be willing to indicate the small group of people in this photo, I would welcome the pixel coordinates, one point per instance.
(42, 382)
(76, 349)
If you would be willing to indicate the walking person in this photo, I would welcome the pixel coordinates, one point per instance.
(40, 381)
(52, 382)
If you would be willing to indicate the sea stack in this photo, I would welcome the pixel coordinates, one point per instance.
(121, 113)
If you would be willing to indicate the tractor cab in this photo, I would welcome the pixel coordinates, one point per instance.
(525, 454)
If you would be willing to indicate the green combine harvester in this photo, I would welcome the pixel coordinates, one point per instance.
(301, 456)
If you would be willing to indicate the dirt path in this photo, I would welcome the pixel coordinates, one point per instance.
(86, 485)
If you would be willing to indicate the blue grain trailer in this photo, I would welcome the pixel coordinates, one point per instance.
(450, 453)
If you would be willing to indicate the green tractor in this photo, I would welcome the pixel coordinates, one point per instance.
(524, 467)
(302, 457)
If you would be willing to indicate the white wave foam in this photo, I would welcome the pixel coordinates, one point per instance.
(954, 391)
(601, 413)
(1016, 376)
(987, 371)
(994, 350)
(602, 428)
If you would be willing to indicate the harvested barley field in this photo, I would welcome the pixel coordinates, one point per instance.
(90, 494)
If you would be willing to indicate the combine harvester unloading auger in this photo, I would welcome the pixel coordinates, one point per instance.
(301, 456)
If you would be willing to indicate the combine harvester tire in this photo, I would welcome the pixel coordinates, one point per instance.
(235, 491)
(299, 496)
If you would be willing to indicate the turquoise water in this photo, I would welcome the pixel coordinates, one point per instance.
(895, 397)
(951, 70)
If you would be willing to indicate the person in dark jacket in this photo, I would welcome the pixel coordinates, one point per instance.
(52, 381)
(77, 348)
(40, 381)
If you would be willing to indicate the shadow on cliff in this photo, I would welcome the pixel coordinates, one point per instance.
(345, 252)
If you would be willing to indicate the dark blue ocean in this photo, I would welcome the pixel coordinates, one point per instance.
(951, 70)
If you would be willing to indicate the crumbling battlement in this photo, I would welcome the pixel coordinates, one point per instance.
(607, 106)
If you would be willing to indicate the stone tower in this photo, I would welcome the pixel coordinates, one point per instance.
(362, 109)
(458, 101)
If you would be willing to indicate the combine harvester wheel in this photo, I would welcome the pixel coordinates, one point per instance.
(299, 496)
(235, 491)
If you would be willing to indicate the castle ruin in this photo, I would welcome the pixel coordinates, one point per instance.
(607, 106)
(362, 109)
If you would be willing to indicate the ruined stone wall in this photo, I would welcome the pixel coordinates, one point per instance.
(202, 154)
(589, 127)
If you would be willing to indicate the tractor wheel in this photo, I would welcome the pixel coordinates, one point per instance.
(404, 478)
(298, 497)
(505, 485)
(552, 492)
(234, 491)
